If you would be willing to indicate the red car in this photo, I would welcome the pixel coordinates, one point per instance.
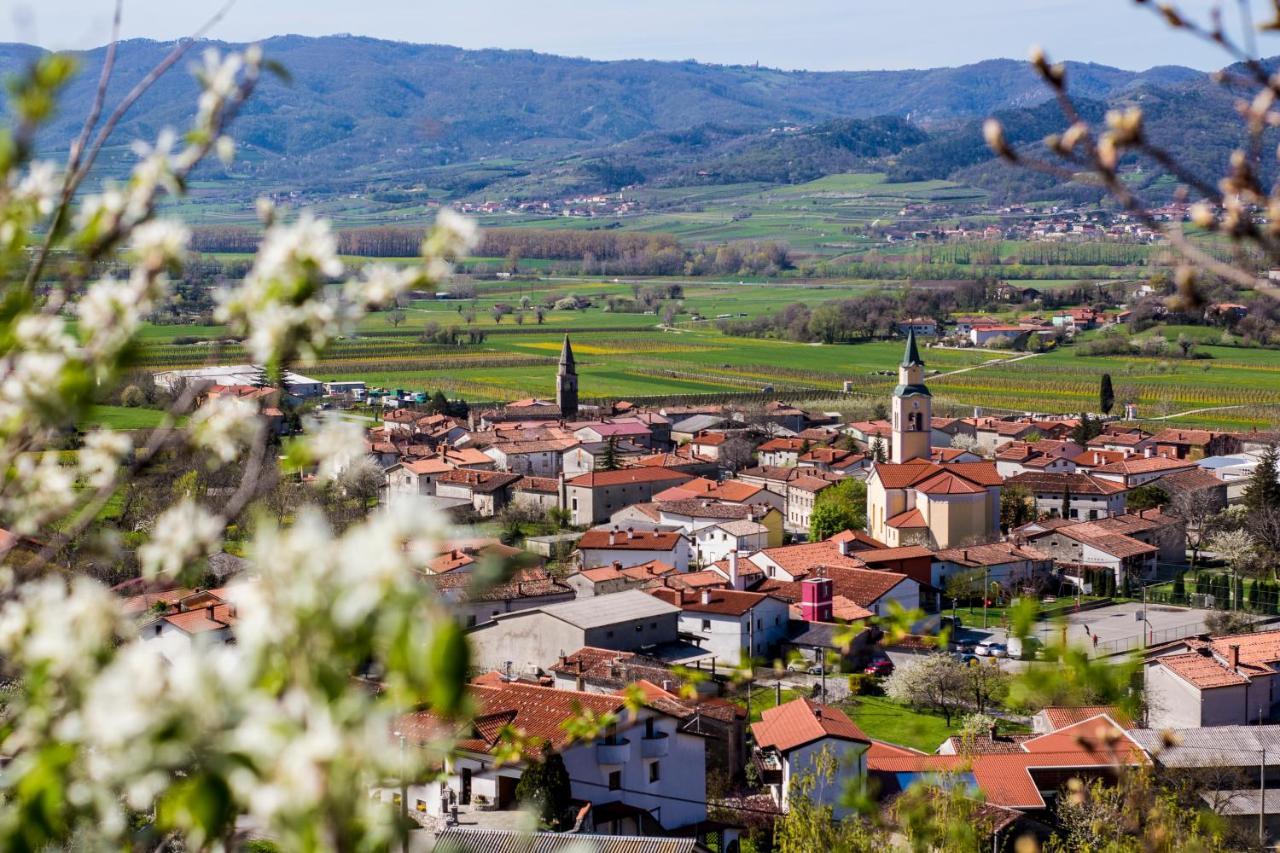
(883, 666)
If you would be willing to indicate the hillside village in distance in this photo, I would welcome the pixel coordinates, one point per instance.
(698, 556)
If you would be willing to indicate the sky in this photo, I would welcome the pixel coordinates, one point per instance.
(808, 34)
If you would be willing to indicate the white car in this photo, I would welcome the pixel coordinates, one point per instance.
(990, 648)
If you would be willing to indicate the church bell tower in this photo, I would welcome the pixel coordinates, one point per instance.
(567, 382)
(912, 407)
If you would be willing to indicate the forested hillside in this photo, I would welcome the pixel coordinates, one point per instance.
(392, 120)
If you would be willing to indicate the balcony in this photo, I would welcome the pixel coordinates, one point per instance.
(616, 751)
(655, 745)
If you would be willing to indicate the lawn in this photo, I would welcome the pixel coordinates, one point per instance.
(121, 417)
(763, 698)
(883, 719)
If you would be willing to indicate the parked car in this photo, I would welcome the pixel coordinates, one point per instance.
(799, 666)
(1024, 649)
(965, 646)
(880, 666)
(966, 658)
(990, 648)
(817, 669)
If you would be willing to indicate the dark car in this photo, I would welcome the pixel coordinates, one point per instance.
(881, 666)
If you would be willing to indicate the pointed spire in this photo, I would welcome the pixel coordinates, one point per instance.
(910, 357)
(566, 356)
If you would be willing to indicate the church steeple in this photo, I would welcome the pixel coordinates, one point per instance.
(567, 382)
(912, 354)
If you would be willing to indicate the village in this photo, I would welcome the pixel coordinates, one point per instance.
(696, 559)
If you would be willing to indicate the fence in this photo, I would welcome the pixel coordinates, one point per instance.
(1153, 638)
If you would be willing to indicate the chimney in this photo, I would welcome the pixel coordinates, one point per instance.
(735, 580)
(1235, 656)
(706, 596)
(1147, 452)
(845, 546)
(209, 614)
(667, 684)
(817, 711)
(612, 537)
(617, 565)
(991, 732)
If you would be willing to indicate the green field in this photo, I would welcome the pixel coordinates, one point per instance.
(120, 417)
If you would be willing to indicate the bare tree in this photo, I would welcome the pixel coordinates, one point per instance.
(1195, 507)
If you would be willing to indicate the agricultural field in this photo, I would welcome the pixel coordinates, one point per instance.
(631, 355)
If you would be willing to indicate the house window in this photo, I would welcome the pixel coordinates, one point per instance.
(706, 624)
(615, 780)
(655, 772)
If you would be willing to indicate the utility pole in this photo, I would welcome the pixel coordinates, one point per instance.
(986, 591)
(1262, 795)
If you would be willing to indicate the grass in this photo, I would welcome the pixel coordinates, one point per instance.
(121, 417)
(883, 719)
(763, 698)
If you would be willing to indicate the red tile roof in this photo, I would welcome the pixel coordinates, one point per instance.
(723, 602)
(909, 520)
(1060, 717)
(862, 586)
(803, 721)
(624, 476)
(629, 540)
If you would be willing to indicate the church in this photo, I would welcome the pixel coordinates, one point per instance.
(912, 500)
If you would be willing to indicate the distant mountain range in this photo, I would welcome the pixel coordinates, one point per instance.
(390, 118)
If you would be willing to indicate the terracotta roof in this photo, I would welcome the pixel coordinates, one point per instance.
(623, 476)
(702, 508)
(841, 608)
(946, 483)
(710, 439)
(199, 620)
(1144, 465)
(886, 555)
(791, 444)
(479, 481)
(799, 560)
(901, 475)
(691, 580)
(803, 721)
(1202, 671)
(723, 602)
(1193, 437)
(911, 519)
(861, 586)
(548, 485)
(526, 583)
(1058, 481)
(629, 540)
(537, 712)
(1192, 480)
(808, 483)
(1060, 718)
(995, 554)
(859, 540)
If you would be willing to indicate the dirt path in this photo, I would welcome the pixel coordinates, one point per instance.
(992, 363)
(1195, 412)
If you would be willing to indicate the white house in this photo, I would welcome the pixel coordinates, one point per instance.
(793, 736)
(729, 623)
(642, 764)
(716, 542)
(631, 547)
(1223, 681)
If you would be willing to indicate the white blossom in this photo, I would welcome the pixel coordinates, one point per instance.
(460, 233)
(224, 426)
(161, 242)
(332, 443)
(100, 458)
(379, 284)
(41, 186)
(181, 534)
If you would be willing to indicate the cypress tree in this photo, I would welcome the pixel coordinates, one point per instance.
(1253, 595)
(1106, 395)
(1179, 589)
